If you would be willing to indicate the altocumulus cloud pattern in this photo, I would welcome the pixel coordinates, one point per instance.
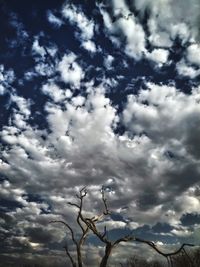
(98, 93)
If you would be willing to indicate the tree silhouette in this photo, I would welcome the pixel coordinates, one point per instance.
(88, 225)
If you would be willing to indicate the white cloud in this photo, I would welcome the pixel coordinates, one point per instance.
(79, 19)
(169, 20)
(2, 90)
(78, 101)
(161, 100)
(7, 77)
(159, 56)
(165, 23)
(43, 69)
(23, 104)
(193, 54)
(82, 148)
(110, 225)
(85, 26)
(45, 59)
(56, 94)
(184, 70)
(90, 46)
(71, 72)
(38, 49)
(57, 22)
(108, 60)
(125, 28)
(170, 120)
(157, 37)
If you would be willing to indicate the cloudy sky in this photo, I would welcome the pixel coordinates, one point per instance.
(98, 93)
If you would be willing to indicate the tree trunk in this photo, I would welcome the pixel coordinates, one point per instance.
(105, 258)
(79, 257)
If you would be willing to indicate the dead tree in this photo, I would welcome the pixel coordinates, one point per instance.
(103, 237)
(90, 225)
(84, 229)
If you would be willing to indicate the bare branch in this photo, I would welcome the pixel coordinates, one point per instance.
(84, 235)
(69, 256)
(69, 227)
(91, 221)
(82, 194)
(124, 239)
(91, 224)
(77, 243)
(153, 245)
(105, 232)
(106, 211)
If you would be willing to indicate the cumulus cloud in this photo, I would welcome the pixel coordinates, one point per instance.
(55, 93)
(169, 20)
(155, 141)
(71, 72)
(89, 45)
(152, 118)
(165, 24)
(45, 59)
(7, 77)
(126, 28)
(54, 20)
(108, 60)
(37, 49)
(159, 56)
(193, 54)
(85, 26)
(175, 140)
(22, 104)
(184, 70)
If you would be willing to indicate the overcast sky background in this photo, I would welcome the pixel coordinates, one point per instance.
(98, 93)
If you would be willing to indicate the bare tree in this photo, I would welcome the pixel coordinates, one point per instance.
(90, 225)
(78, 242)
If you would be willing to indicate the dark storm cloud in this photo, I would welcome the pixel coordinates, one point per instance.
(189, 219)
(162, 228)
(147, 200)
